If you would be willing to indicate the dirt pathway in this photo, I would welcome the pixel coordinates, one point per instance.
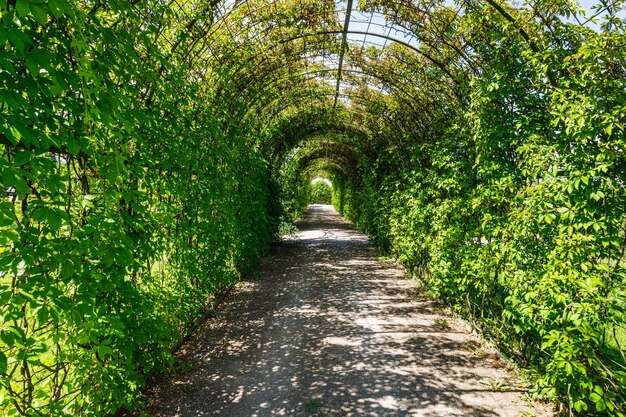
(327, 330)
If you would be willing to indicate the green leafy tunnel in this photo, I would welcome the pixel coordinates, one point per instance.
(152, 149)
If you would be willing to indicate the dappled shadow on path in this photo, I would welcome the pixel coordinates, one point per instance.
(328, 330)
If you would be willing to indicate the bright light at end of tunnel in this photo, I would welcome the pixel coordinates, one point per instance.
(318, 179)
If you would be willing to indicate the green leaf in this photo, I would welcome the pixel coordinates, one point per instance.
(32, 66)
(17, 39)
(53, 216)
(59, 8)
(22, 7)
(7, 217)
(595, 397)
(67, 269)
(579, 405)
(3, 363)
(104, 351)
(21, 186)
(12, 335)
(21, 158)
(108, 258)
(40, 14)
(43, 314)
(54, 219)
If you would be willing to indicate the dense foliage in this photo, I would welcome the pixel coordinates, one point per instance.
(321, 193)
(127, 206)
(151, 150)
(514, 211)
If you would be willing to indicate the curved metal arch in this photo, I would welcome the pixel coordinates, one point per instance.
(252, 61)
(233, 75)
(329, 164)
(362, 72)
(325, 169)
(493, 3)
(423, 109)
(291, 141)
(326, 94)
(238, 5)
(320, 141)
(346, 162)
(335, 32)
(359, 32)
(319, 131)
(295, 100)
(406, 30)
(391, 121)
(372, 134)
(511, 19)
(459, 51)
(344, 171)
(410, 99)
(319, 93)
(309, 138)
(341, 160)
(389, 38)
(324, 143)
(313, 94)
(373, 73)
(501, 9)
(317, 135)
(207, 37)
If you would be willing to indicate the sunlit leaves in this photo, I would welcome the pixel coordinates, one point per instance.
(108, 248)
(516, 217)
(144, 152)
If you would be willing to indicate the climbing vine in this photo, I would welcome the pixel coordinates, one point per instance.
(514, 213)
(150, 152)
(126, 206)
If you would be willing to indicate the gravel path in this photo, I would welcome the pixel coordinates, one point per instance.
(328, 330)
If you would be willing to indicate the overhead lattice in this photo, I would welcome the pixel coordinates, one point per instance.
(373, 56)
(256, 46)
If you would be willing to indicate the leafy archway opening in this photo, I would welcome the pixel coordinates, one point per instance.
(321, 191)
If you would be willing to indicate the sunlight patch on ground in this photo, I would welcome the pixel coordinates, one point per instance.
(342, 341)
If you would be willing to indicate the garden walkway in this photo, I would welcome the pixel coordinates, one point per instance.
(327, 329)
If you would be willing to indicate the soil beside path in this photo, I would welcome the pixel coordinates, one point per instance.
(327, 330)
